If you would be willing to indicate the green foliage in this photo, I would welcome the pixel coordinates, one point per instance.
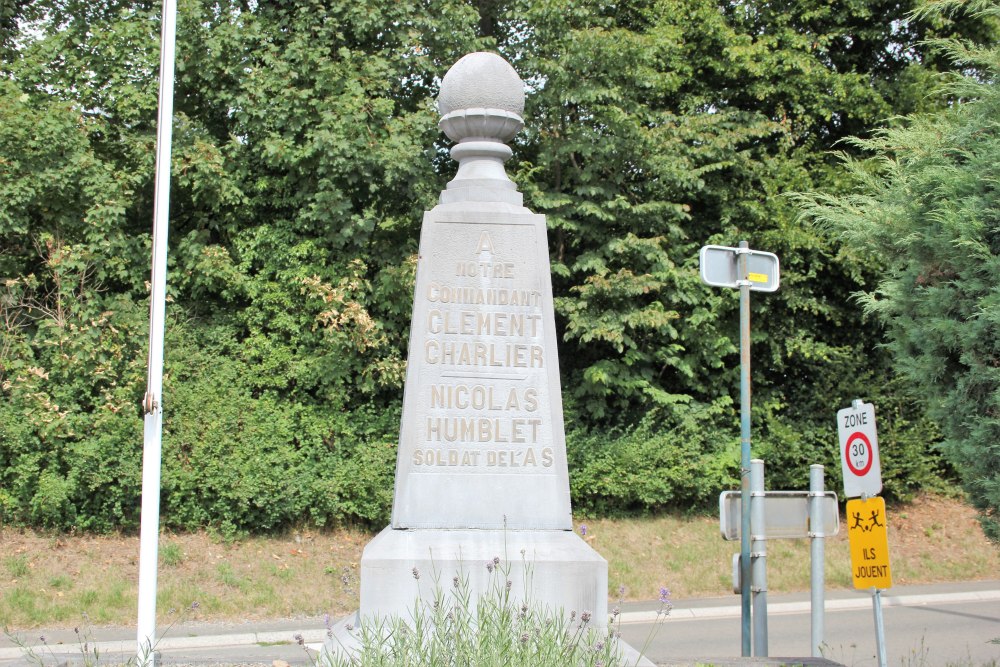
(257, 462)
(926, 206)
(658, 464)
(305, 150)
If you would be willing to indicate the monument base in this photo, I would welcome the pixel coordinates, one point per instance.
(553, 571)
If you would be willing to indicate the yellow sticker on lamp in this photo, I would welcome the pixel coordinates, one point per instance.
(757, 277)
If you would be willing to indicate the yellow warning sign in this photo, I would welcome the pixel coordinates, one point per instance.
(869, 538)
(757, 277)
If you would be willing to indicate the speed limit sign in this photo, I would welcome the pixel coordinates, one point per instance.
(859, 450)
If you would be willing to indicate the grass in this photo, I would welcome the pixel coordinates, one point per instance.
(54, 579)
(688, 555)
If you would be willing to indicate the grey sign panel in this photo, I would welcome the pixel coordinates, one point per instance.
(786, 514)
(719, 267)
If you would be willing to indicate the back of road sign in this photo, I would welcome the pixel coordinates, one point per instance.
(719, 267)
(869, 538)
(859, 450)
(786, 515)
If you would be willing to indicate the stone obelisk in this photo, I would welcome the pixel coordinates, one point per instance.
(481, 470)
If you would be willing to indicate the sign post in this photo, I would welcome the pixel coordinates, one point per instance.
(869, 540)
(866, 520)
(817, 557)
(152, 404)
(748, 270)
(809, 514)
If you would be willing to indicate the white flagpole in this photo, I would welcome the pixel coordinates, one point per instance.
(149, 531)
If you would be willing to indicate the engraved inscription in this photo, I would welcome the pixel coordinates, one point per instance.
(511, 355)
(480, 323)
(484, 339)
(483, 397)
(496, 296)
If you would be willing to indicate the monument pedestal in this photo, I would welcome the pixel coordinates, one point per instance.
(481, 471)
(551, 569)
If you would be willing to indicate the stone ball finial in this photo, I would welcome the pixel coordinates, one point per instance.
(481, 98)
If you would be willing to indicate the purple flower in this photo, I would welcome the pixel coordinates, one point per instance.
(585, 617)
(583, 529)
(489, 566)
(416, 573)
(664, 595)
(299, 639)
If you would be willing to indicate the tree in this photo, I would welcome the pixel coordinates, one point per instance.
(658, 126)
(926, 210)
(303, 134)
(305, 150)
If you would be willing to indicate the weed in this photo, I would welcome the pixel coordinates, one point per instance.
(231, 579)
(171, 554)
(281, 573)
(17, 566)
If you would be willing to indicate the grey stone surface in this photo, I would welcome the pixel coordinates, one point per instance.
(481, 440)
(552, 569)
(482, 443)
(481, 80)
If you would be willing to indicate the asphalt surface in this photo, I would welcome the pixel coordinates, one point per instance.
(263, 642)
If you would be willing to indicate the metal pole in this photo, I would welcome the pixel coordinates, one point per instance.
(817, 558)
(758, 554)
(149, 528)
(744, 285)
(879, 627)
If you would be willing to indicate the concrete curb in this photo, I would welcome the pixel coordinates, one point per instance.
(847, 604)
(312, 638)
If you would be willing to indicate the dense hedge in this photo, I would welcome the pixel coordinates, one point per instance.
(305, 151)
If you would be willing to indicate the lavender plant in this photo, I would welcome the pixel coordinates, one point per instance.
(42, 654)
(501, 628)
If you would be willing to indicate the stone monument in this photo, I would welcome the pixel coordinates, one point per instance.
(481, 470)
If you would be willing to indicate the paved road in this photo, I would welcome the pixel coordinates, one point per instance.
(926, 626)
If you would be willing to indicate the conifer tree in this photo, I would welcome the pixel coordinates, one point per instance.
(926, 211)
